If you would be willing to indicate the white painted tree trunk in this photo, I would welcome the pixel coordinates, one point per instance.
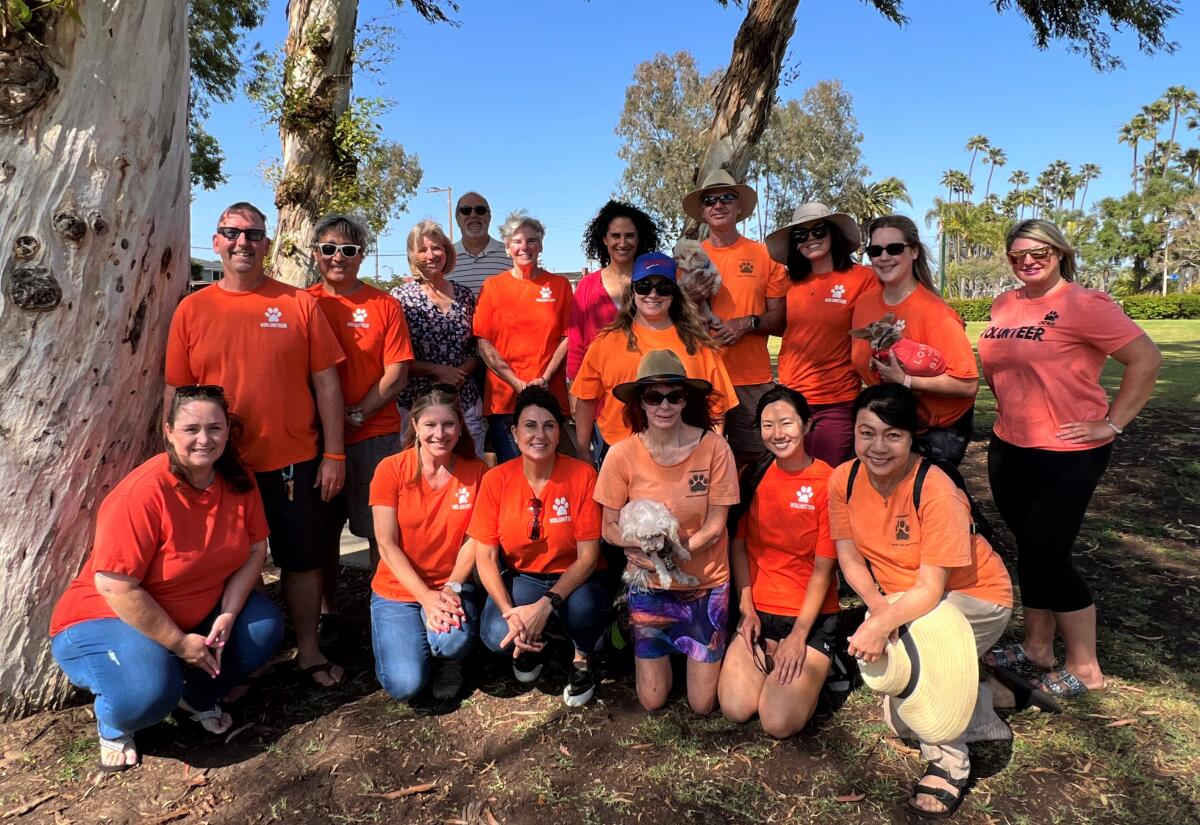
(746, 94)
(94, 257)
(318, 69)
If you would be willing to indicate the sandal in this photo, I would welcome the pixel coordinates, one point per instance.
(118, 745)
(325, 667)
(1013, 657)
(1066, 685)
(1026, 693)
(950, 800)
(209, 719)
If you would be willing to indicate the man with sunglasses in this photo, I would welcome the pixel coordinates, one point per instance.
(272, 349)
(480, 256)
(751, 303)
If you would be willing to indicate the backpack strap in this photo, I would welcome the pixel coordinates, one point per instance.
(850, 479)
(919, 483)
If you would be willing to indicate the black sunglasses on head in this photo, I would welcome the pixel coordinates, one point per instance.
(230, 233)
(663, 288)
(348, 250)
(875, 250)
(802, 234)
(478, 210)
(535, 526)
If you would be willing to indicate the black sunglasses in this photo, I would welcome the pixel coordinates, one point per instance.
(535, 526)
(348, 250)
(664, 289)
(199, 391)
(802, 234)
(230, 233)
(713, 200)
(875, 250)
(652, 398)
(764, 661)
(478, 210)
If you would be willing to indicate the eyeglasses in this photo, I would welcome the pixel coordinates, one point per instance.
(478, 210)
(199, 391)
(816, 232)
(713, 200)
(348, 250)
(653, 398)
(664, 289)
(535, 526)
(764, 661)
(230, 233)
(1038, 253)
(875, 250)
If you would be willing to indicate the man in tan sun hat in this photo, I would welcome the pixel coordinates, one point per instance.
(750, 304)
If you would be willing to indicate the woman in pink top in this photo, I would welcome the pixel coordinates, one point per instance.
(1042, 355)
(618, 234)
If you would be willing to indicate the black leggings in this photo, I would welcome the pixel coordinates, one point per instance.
(1042, 496)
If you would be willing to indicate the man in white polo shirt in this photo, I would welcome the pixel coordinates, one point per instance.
(480, 256)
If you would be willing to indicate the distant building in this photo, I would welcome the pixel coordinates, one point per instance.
(204, 273)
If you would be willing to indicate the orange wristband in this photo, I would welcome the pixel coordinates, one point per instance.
(335, 456)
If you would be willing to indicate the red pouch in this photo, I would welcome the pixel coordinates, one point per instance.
(919, 360)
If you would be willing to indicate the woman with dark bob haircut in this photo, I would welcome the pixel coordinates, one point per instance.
(919, 556)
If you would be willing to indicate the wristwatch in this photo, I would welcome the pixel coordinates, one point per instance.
(755, 322)
(453, 587)
(556, 601)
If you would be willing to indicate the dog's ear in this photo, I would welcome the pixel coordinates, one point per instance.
(888, 319)
(864, 333)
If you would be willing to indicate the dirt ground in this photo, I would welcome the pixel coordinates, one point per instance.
(297, 754)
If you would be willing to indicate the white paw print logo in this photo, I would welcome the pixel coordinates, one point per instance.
(804, 494)
(560, 506)
(464, 496)
(838, 291)
(273, 315)
(360, 315)
(900, 325)
(547, 294)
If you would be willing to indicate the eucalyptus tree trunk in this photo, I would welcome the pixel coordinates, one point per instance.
(93, 260)
(318, 65)
(746, 93)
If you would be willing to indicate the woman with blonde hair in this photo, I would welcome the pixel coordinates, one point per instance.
(440, 315)
(1042, 354)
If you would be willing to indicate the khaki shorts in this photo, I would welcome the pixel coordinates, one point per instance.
(740, 430)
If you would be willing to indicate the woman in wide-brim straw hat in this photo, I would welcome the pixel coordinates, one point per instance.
(814, 357)
(920, 550)
(674, 458)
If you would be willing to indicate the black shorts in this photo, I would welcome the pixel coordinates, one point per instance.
(820, 636)
(300, 527)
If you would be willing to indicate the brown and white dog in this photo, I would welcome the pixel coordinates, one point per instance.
(697, 277)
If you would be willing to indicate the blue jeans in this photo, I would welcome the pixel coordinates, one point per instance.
(500, 427)
(584, 615)
(137, 681)
(405, 648)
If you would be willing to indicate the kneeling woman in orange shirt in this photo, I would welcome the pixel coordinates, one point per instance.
(423, 607)
(674, 458)
(783, 568)
(540, 508)
(165, 613)
(921, 545)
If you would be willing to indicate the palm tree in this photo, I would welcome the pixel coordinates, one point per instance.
(956, 182)
(1157, 113)
(1088, 172)
(1190, 160)
(1178, 98)
(1018, 178)
(995, 157)
(1138, 128)
(868, 201)
(975, 145)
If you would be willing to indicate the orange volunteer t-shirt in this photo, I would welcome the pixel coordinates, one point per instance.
(785, 528)
(927, 320)
(433, 523)
(1042, 358)
(373, 333)
(707, 477)
(180, 543)
(525, 320)
(569, 515)
(897, 541)
(263, 347)
(609, 362)
(749, 276)
(814, 357)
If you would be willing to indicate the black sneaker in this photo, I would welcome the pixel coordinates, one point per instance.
(447, 680)
(527, 668)
(841, 677)
(581, 687)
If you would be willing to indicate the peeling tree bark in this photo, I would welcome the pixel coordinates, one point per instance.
(318, 66)
(94, 204)
(747, 92)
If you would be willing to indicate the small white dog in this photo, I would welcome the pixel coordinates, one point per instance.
(656, 531)
(697, 276)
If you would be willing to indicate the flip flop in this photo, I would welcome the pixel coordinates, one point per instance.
(326, 668)
(209, 719)
(1013, 656)
(117, 745)
(1027, 693)
(1066, 685)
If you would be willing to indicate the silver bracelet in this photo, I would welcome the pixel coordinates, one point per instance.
(1113, 426)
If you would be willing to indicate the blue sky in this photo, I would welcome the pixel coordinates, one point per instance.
(520, 101)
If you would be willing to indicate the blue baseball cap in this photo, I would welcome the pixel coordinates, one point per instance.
(654, 263)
